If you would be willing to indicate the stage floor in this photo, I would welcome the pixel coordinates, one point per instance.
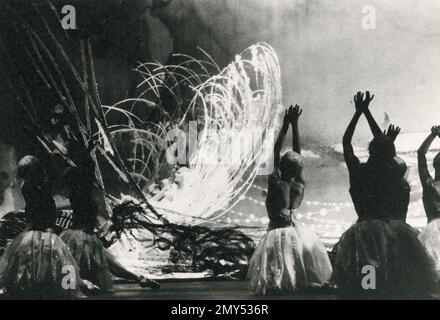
(213, 290)
(200, 290)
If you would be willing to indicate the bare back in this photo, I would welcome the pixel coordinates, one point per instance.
(282, 196)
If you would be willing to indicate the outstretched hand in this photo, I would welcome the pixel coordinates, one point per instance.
(292, 115)
(361, 103)
(436, 130)
(295, 113)
(392, 132)
(90, 287)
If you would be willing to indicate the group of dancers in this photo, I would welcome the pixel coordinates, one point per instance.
(396, 257)
(380, 255)
(41, 264)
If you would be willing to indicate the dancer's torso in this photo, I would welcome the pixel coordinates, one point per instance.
(279, 206)
(373, 200)
(40, 206)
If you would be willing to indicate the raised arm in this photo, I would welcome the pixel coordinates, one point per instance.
(294, 117)
(281, 138)
(349, 156)
(294, 114)
(361, 106)
(424, 174)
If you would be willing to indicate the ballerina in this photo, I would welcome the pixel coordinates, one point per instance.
(380, 239)
(36, 263)
(96, 263)
(288, 257)
(430, 236)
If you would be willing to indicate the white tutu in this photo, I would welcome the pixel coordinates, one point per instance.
(89, 254)
(430, 238)
(36, 265)
(288, 259)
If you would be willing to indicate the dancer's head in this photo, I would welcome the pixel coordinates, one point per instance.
(30, 169)
(382, 148)
(291, 165)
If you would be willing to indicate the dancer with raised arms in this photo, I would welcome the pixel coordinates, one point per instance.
(380, 242)
(430, 236)
(289, 257)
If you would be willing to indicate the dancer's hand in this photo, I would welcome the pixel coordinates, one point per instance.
(392, 132)
(436, 130)
(90, 287)
(144, 282)
(294, 114)
(362, 104)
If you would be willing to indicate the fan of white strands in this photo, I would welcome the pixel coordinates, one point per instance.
(236, 108)
(237, 111)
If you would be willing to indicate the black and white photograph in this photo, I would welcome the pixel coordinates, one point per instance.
(238, 151)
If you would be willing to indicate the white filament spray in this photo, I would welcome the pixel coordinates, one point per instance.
(239, 106)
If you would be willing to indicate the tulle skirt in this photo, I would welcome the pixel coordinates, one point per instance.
(430, 239)
(89, 253)
(288, 259)
(39, 265)
(382, 257)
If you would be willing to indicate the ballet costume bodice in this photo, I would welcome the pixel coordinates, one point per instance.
(284, 218)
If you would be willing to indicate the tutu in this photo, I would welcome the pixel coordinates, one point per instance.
(89, 253)
(288, 259)
(430, 239)
(392, 248)
(36, 264)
